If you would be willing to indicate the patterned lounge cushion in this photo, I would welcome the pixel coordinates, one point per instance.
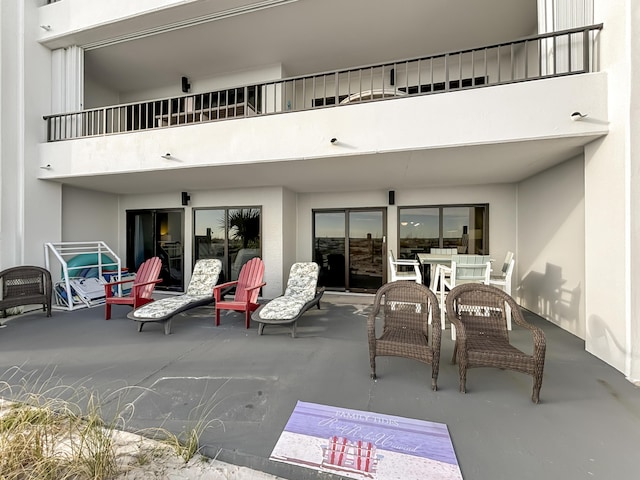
(282, 308)
(303, 280)
(205, 276)
(301, 288)
(165, 306)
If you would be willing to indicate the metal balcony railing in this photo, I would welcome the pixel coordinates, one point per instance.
(568, 52)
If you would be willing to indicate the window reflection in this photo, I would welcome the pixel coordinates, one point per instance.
(452, 226)
(229, 234)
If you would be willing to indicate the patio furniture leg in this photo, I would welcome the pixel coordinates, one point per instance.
(372, 360)
(260, 328)
(463, 377)
(167, 327)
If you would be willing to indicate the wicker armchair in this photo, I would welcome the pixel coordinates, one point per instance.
(405, 309)
(25, 285)
(479, 313)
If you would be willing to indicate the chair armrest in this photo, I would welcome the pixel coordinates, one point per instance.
(250, 289)
(444, 268)
(539, 339)
(137, 286)
(112, 284)
(406, 261)
(224, 285)
(217, 289)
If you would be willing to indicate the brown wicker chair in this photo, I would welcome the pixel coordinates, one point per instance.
(479, 314)
(406, 308)
(25, 285)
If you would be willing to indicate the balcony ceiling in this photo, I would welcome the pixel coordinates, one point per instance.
(304, 36)
(491, 165)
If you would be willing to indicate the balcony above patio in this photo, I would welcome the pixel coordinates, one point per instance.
(494, 114)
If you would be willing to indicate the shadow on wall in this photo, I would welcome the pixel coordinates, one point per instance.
(603, 343)
(546, 294)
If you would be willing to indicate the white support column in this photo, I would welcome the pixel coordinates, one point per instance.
(633, 320)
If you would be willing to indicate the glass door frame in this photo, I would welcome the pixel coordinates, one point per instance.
(156, 240)
(347, 249)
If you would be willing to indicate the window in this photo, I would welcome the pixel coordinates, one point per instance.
(229, 234)
(464, 227)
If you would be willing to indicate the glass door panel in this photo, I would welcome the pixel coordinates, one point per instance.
(152, 233)
(329, 248)
(244, 237)
(231, 235)
(209, 228)
(349, 246)
(366, 250)
(170, 248)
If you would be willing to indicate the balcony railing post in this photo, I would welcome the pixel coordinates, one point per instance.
(363, 83)
(586, 64)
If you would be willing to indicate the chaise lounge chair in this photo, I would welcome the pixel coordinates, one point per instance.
(300, 295)
(199, 292)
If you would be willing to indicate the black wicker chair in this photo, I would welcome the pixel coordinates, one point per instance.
(479, 314)
(405, 308)
(25, 285)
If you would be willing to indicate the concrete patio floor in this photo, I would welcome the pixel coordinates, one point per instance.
(586, 426)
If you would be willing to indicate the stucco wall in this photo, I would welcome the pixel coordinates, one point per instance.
(551, 245)
(272, 231)
(88, 215)
(608, 284)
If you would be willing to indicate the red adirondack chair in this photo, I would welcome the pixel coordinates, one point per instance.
(247, 289)
(147, 276)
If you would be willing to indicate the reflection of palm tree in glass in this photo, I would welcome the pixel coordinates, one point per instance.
(244, 225)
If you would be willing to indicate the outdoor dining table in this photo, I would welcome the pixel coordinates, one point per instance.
(430, 260)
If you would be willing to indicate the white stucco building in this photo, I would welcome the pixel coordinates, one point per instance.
(470, 127)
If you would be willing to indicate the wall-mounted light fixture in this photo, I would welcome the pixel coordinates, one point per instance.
(575, 116)
(334, 140)
(46, 167)
(186, 86)
(185, 199)
(166, 155)
(46, 28)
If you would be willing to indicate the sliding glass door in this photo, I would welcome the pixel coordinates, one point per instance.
(229, 234)
(349, 246)
(157, 233)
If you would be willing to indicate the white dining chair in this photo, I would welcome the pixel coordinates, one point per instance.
(400, 271)
(463, 269)
(503, 279)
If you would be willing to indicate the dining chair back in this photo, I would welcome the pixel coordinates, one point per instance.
(503, 280)
(464, 269)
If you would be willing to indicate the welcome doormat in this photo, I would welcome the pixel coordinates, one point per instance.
(366, 445)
